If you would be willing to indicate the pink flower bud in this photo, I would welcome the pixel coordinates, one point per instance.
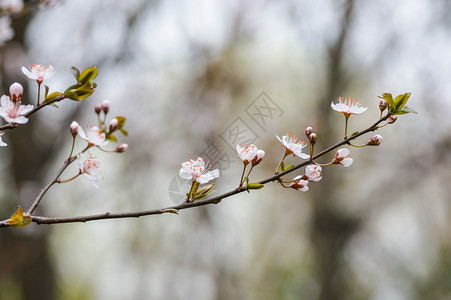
(383, 104)
(98, 108)
(16, 91)
(313, 138)
(308, 131)
(113, 125)
(392, 119)
(121, 148)
(375, 140)
(74, 128)
(106, 106)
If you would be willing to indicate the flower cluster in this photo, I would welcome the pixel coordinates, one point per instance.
(97, 136)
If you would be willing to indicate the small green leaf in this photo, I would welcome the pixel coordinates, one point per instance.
(26, 220)
(254, 186)
(111, 138)
(75, 72)
(282, 166)
(289, 167)
(171, 211)
(204, 191)
(83, 94)
(391, 104)
(88, 75)
(52, 97)
(401, 100)
(124, 132)
(71, 95)
(405, 110)
(120, 121)
(354, 133)
(46, 92)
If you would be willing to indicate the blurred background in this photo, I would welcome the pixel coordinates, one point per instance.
(189, 76)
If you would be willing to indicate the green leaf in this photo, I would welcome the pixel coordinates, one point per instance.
(282, 166)
(26, 220)
(289, 167)
(401, 100)
(75, 72)
(354, 133)
(71, 95)
(171, 210)
(254, 186)
(52, 97)
(88, 75)
(83, 94)
(120, 121)
(203, 192)
(124, 132)
(391, 104)
(405, 110)
(111, 138)
(46, 92)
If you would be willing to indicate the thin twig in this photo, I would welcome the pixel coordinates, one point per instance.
(176, 208)
(54, 180)
(34, 110)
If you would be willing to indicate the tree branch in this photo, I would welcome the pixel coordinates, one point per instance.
(35, 109)
(176, 208)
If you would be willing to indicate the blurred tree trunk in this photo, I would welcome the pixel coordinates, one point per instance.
(24, 251)
(331, 229)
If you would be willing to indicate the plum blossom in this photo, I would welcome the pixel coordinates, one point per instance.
(38, 72)
(90, 168)
(250, 153)
(94, 136)
(198, 171)
(13, 112)
(2, 143)
(293, 145)
(342, 157)
(313, 173)
(348, 106)
(299, 184)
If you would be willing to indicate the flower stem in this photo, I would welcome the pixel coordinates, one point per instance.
(242, 176)
(280, 163)
(39, 92)
(249, 171)
(357, 146)
(72, 148)
(69, 179)
(346, 127)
